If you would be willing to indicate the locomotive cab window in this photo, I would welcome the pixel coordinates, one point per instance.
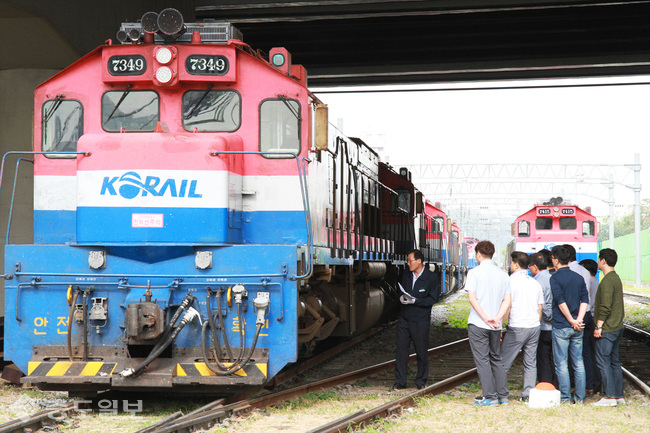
(211, 110)
(436, 225)
(568, 223)
(440, 223)
(544, 224)
(130, 111)
(588, 229)
(279, 127)
(524, 229)
(404, 200)
(62, 126)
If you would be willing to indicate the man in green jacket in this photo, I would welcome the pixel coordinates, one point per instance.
(608, 317)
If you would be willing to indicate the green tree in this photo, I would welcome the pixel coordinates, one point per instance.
(624, 224)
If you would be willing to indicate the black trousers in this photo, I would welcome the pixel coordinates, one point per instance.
(418, 333)
(592, 373)
(545, 362)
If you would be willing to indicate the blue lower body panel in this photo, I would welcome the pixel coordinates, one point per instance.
(37, 312)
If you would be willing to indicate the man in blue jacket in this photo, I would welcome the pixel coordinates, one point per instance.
(421, 289)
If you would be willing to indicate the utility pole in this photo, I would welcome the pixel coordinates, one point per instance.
(637, 215)
(611, 211)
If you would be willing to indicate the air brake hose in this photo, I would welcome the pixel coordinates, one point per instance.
(222, 327)
(222, 370)
(217, 346)
(85, 323)
(186, 302)
(261, 304)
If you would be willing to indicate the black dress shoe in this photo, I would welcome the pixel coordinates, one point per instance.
(397, 386)
(421, 386)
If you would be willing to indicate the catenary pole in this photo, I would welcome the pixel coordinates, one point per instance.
(637, 215)
(611, 210)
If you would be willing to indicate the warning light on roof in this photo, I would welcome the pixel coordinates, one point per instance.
(278, 60)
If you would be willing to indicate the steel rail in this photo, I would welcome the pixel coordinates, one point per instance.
(638, 298)
(637, 335)
(38, 420)
(637, 332)
(283, 377)
(301, 367)
(636, 381)
(331, 382)
(350, 422)
(210, 416)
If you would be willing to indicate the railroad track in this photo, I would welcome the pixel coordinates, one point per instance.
(635, 354)
(52, 416)
(44, 418)
(638, 298)
(452, 364)
(453, 357)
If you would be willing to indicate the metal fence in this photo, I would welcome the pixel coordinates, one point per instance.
(625, 248)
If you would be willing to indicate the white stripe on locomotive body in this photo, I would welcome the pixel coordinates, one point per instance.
(272, 193)
(533, 247)
(260, 193)
(152, 188)
(55, 193)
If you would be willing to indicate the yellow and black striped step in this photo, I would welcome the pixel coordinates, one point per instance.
(200, 369)
(71, 368)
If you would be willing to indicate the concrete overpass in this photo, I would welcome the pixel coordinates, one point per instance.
(368, 41)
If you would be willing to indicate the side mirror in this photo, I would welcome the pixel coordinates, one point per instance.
(419, 203)
(321, 126)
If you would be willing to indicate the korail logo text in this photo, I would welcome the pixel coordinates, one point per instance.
(130, 185)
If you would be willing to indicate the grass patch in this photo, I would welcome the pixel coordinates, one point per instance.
(639, 290)
(312, 398)
(637, 314)
(458, 312)
(629, 287)
(435, 414)
(378, 426)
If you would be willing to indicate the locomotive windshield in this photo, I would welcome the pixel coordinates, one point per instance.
(130, 111)
(568, 223)
(544, 224)
(211, 110)
(62, 125)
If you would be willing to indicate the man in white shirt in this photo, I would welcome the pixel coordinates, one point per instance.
(488, 290)
(524, 320)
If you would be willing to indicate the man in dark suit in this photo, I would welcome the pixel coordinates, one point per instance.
(422, 290)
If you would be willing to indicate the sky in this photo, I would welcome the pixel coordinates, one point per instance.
(592, 122)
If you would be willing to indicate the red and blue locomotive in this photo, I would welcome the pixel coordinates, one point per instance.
(197, 221)
(555, 222)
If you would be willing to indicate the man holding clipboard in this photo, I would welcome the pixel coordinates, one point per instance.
(420, 290)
